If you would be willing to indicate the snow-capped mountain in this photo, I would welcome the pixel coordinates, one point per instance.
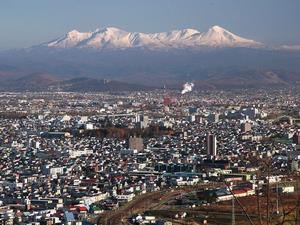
(114, 38)
(216, 58)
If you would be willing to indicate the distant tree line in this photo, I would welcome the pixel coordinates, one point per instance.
(124, 133)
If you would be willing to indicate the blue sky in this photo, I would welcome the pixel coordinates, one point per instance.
(27, 22)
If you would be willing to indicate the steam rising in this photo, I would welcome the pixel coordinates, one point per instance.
(187, 87)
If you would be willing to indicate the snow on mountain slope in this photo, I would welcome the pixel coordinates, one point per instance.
(70, 40)
(114, 38)
(218, 36)
(109, 38)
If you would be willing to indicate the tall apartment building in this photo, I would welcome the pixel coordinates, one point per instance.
(211, 143)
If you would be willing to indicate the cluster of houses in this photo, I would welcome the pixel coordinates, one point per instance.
(66, 157)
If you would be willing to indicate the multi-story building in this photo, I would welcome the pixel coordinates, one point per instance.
(211, 142)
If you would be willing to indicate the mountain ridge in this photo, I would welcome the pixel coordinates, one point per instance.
(216, 58)
(115, 38)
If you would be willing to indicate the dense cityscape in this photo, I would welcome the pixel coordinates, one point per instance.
(149, 112)
(151, 157)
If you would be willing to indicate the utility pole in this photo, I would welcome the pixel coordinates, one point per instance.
(239, 203)
(268, 196)
(277, 200)
(233, 213)
(258, 202)
(297, 208)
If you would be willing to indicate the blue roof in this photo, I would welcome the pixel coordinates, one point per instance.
(69, 216)
(86, 223)
(222, 191)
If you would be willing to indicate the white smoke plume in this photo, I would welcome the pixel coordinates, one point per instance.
(187, 87)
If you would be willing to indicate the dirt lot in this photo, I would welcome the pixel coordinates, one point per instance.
(155, 203)
(221, 213)
(144, 202)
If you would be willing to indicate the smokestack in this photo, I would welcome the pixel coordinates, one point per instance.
(187, 87)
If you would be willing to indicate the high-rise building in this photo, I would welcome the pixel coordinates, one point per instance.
(211, 143)
(167, 101)
(142, 121)
(246, 127)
